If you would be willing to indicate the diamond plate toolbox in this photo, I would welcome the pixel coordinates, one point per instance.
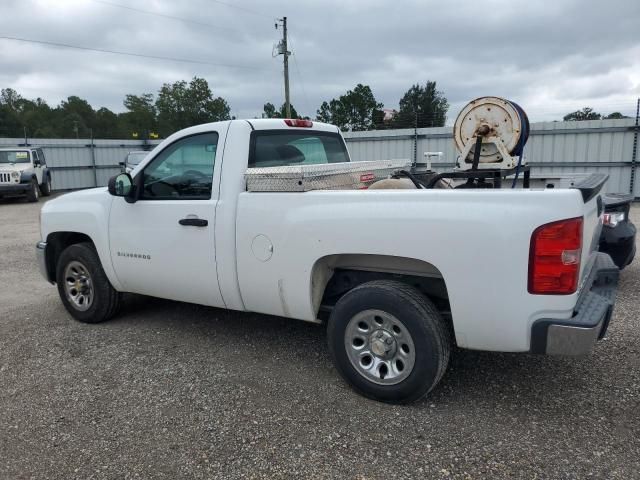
(326, 176)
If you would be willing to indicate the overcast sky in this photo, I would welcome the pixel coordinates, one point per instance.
(550, 57)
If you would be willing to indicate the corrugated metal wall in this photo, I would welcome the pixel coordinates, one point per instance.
(82, 163)
(553, 147)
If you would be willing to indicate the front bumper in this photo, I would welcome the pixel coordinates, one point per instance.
(577, 335)
(14, 188)
(41, 256)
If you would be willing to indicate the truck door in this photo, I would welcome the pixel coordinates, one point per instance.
(163, 245)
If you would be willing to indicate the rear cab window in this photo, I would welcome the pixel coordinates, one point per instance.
(278, 148)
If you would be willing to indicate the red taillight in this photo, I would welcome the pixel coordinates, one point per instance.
(554, 257)
(297, 122)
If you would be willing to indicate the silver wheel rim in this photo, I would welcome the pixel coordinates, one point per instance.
(35, 190)
(78, 285)
(379, 347)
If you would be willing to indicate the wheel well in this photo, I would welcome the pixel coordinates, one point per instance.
(56, 243)
(335, 275)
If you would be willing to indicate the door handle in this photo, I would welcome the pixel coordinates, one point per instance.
(193, 222)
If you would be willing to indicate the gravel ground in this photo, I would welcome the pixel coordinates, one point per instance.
(170, 390)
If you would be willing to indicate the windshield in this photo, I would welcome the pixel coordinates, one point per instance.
(134, 158)
(275, 148)
(14, 156)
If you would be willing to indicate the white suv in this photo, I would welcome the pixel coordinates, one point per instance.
(23, 171)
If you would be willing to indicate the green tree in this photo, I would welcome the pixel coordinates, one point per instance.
(354, 111)
(181, 104)
(422, 106)
(74, 117)
(107, 124)
(269, 111)
(324, 112)
(38, 118)
(294, 112)
(616, 116)
(586, 113)
(10, 122)
(77, 117)
(18, 113)
(141, 115)
(10, 98)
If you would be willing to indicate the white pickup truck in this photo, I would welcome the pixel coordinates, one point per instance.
(400, 277)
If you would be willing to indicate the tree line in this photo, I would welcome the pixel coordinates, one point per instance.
(182, 104)
(588, 113)
(358, 110)
(177, 105)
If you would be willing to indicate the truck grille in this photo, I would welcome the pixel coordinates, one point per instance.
(5, 177)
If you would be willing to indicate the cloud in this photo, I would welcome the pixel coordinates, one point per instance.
(551, 58)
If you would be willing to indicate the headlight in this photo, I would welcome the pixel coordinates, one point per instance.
(612, 219)
(15, 174)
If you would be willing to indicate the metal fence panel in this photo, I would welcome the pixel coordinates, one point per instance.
(553, 147)
(82, 163)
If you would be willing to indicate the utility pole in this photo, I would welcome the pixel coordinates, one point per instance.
(283, 50)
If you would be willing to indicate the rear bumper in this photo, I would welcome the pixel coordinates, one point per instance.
(577, 335)
(14, 189)
(620, 243)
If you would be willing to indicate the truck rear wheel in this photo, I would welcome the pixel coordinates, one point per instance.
(83, 286)
(388, 341)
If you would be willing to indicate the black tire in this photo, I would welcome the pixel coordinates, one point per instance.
(105, 299)
(428, 332)
(45, 188)
(34, 192)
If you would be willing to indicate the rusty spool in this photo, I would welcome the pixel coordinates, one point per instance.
(495, 117)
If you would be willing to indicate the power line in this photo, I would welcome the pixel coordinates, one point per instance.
(158, 14)
(130, 54)
(295, 63)
(244, 9)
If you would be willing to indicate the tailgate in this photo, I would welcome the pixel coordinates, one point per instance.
(590, 188)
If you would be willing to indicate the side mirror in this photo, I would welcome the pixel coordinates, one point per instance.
(121, 164)
(121, 185)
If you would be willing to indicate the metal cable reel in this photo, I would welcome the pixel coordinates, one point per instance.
(498, 128)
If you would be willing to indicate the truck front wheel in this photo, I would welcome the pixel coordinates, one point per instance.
(388, 341)
(83, 286)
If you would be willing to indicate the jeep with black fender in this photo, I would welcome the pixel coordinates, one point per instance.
(23, 171)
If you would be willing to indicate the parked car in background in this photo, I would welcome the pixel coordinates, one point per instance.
(132, 160)
(618, 237)
(23, 171)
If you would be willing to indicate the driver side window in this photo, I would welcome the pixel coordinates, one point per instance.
(183, 170)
